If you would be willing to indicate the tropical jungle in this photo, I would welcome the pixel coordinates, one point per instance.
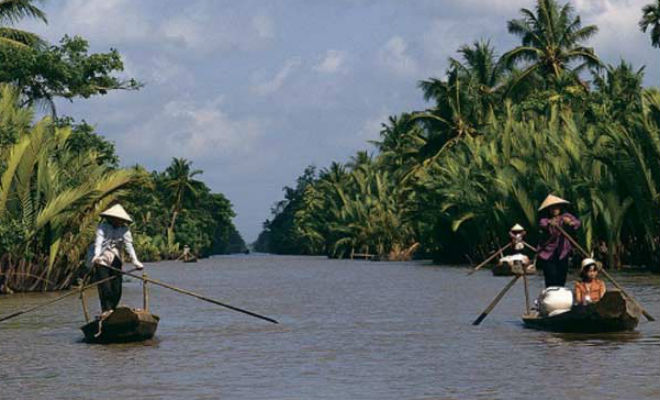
(504, 128)
(57, 174)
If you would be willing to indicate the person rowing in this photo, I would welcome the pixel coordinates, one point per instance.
(112, 236)
(553, 251)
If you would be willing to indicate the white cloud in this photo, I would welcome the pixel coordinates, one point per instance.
(205, 32)
(188, 129)
(493, 7)
(619, 35)
(372, 126)
(332, 62)
(264, 26)
(109, 21)
(617, 21)
(182, 30)
(394, 57)
(274, 84)
(164, 71)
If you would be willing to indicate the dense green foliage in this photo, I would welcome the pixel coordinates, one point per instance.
(50, 196)
(65, 71)
(167, 219)
(43, 72)
(502, 134)
(57, 176)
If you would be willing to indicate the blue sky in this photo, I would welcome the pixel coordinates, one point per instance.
(254, 91)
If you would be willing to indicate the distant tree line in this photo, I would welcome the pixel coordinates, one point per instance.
(547, 116)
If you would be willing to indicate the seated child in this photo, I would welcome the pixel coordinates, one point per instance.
(589, 289)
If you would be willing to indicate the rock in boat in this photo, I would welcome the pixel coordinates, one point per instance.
(122, 325)
(613, 313)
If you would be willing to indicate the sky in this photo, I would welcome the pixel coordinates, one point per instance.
(254, 91)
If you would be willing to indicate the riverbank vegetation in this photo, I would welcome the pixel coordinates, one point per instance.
(57, 175)
(503, 131)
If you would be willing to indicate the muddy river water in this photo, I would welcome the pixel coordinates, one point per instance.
(348, 330)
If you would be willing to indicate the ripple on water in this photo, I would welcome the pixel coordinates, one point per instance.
(358, 330)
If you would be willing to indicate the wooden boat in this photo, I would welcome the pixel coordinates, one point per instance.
(123, 325)
(613, 313)
(505, 269)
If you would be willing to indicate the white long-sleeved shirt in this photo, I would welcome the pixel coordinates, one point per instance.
(112, 238)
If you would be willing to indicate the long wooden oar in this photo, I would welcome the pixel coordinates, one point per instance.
(193, 294)
(496, 300)
(529, 246)
(486, 261)
(607, 275)
(55, 300)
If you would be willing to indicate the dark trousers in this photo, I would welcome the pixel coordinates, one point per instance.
(110, 291)
(554, 270)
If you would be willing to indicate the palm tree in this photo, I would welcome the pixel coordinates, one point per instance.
(183, 188)
(51, 196)
(651, 18)
(12, 11)
(483, 70)
(551, 38)
(617, 93)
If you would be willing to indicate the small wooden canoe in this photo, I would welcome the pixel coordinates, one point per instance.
(613, 313)
(505, 269)
(123, 325)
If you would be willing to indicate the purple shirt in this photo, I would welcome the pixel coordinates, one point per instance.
(556, 243)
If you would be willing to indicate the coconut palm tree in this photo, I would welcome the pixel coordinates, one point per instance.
(183, 188)
(651, 19)
(12, 11)
(618, 90)
(485, 72)
(551, 42)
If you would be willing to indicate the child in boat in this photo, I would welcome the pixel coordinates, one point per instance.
(589, 289)
(112, 236)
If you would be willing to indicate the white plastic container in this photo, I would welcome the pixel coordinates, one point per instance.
(555, 300)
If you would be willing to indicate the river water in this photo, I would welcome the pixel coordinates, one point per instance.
(348, 330)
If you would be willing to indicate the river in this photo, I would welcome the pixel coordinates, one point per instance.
(348, 330)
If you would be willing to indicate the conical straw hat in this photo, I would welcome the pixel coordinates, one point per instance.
(517, 227)
(117, 211)
(551, 201)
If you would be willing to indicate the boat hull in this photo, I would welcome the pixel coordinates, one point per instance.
(504, 269)
(613, 313)
(123, 325)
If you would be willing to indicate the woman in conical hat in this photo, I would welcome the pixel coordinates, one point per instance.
(554, 248)
(112, 236)
(517, 235)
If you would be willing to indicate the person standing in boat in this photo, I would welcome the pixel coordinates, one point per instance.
(554, 248)
(112, 236)
(517, 235)
(589, 289)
